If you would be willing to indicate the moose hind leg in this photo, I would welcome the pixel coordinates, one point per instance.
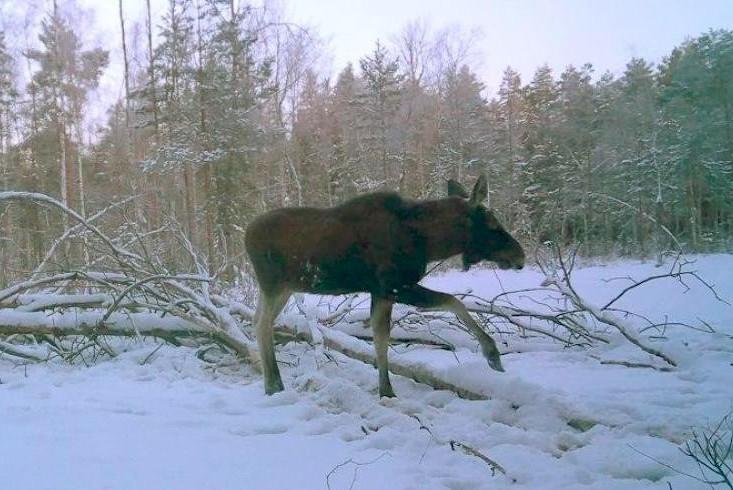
(428, 299)
(268, 307)
(380, 319)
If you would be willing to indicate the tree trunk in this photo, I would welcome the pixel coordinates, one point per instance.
(205, 174)
(151, 74)
(4, 213)
(190, 199)
(126, 66)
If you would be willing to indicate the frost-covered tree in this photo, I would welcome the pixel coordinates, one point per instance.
(697, 107)
(311, 143)
(343, 113)
(639, 161)
(378, 103)
(8, 99)
(577, 130)
(541, 174)
(507, 155)
(463, 123)
(66, 75)
(241, 126)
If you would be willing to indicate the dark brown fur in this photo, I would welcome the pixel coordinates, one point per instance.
(377, 243)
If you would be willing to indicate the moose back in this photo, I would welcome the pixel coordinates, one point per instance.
(378, 243)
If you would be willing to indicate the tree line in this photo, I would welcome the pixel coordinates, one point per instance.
(224, 115)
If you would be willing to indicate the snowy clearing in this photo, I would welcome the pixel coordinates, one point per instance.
(557, 418)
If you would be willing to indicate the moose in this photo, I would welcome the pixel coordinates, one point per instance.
(377, 243)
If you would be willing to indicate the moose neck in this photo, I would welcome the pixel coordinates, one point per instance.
(444, 226)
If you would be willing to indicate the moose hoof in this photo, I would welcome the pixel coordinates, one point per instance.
(274, 387)
(491, 354)
(495, 364)
(386, 391)
(498, 367)
(494, 361)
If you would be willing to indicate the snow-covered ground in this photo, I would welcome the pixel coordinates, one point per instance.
(164, 419)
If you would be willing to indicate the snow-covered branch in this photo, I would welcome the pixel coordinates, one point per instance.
(558, 275)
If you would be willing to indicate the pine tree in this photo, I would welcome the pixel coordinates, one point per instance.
(241, 126)
(8, 99)
(343, 113)
(639, 160)
(61, 85)
(509, 158)
(463, 123)
(697, 98)
(378, 104)
(311, 143)
(577, 129)
(543, 181)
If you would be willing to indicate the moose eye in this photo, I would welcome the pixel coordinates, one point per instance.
(491, 221)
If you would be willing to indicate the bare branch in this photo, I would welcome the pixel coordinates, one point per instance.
(463, 447)
(44, 199)
(74, 230)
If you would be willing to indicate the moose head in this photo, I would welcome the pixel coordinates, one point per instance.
(487, 238)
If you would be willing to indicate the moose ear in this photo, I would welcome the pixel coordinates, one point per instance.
(456, 190)
(480, 191)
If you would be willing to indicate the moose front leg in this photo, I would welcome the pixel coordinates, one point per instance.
(427, 299)
(380, 319)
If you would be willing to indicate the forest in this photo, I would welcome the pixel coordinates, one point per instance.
(224, 115)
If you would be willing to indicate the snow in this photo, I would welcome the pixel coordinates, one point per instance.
(164, 419)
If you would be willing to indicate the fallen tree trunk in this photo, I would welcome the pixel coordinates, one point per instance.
(364, 352)
(90, 325)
